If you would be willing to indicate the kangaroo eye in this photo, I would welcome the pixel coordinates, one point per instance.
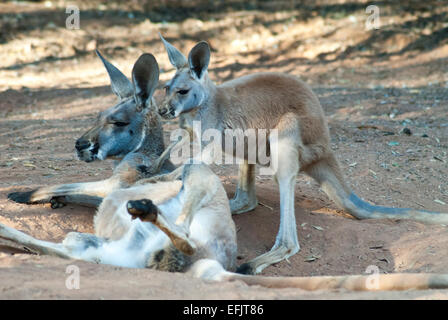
(120, 124)
(183, 91)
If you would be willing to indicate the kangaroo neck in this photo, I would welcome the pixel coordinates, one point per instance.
(209, 113)
(152, 144)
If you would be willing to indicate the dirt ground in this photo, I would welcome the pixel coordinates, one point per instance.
(372, 84)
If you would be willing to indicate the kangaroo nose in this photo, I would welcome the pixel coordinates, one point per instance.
(82, 144)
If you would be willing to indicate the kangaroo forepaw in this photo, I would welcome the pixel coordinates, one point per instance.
(144, 181)
(21, 197)
(145, 172)
(56, 202)
(245, 268)
(143, 209)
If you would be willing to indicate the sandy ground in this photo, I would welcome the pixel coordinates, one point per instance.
(372, 85)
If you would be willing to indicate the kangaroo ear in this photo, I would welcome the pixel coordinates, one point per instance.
(145, 77)
(199, 58)
(176, 57)
(120, 84)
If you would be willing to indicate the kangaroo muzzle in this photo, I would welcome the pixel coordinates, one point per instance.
(86, 150)
(167, 111)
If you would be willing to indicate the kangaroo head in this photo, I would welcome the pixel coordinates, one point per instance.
(189, 88)
(122, 128)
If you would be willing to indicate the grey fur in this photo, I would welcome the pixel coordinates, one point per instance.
(131, 132)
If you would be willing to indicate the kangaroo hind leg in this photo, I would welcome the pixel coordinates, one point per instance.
(74, 246)
(287, 167)
(41, 247)
(89, 194)
(245, 199)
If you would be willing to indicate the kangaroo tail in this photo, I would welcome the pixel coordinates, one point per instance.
(397, 281)
(328, 174)
(212, 270)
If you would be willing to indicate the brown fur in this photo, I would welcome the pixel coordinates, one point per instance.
(169, 259)
(270, 101)
(383, 282)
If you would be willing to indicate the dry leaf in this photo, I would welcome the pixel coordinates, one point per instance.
(312, 257)
(29, 164)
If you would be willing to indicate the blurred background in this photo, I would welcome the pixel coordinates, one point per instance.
(322, 41)
(374, 84)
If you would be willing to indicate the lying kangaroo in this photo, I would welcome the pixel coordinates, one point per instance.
(181, 223)
(186, 226)
(271, 101)
(131, 131)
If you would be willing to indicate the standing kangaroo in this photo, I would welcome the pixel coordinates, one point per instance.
(130, 131)
(271, 101)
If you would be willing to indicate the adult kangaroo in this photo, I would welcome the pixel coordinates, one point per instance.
(281, 104)
(130, 132)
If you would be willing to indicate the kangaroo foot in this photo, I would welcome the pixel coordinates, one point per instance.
(143, 209)
(243, 202)
(57, 202)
